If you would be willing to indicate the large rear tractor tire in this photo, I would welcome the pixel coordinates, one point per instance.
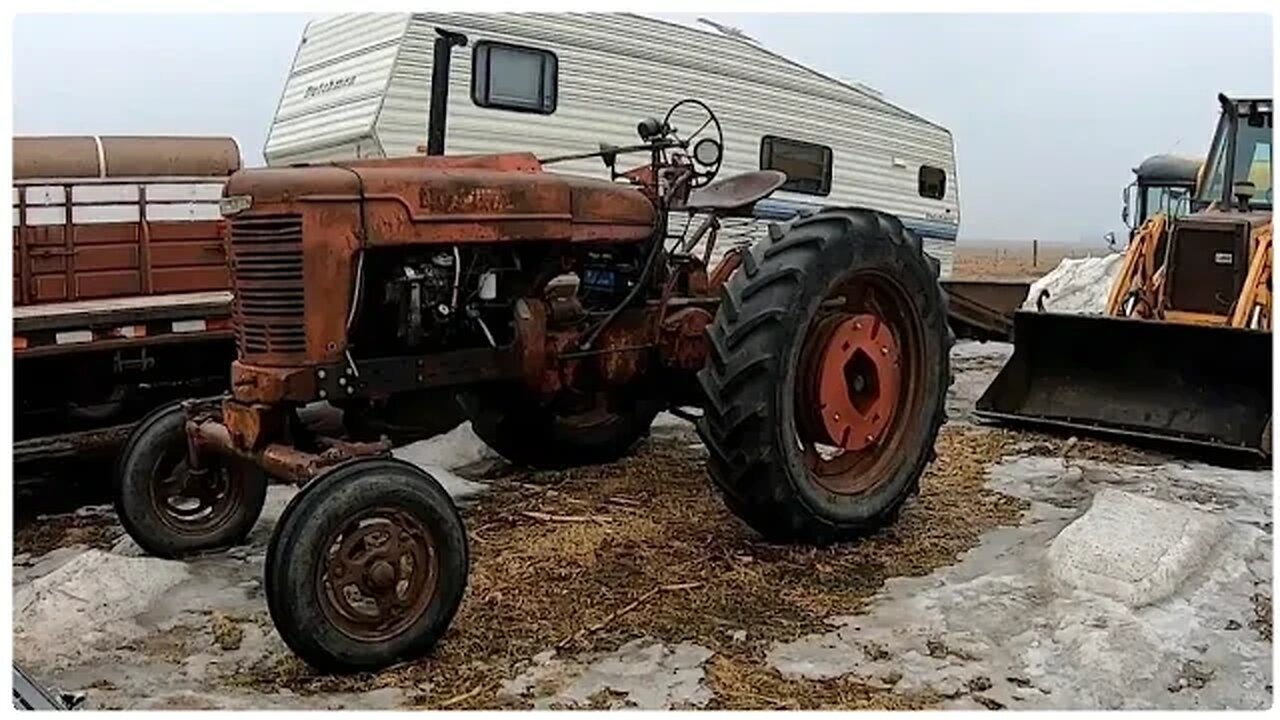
(171, 511)
(367, 566)
(526, 433)
(827, 377)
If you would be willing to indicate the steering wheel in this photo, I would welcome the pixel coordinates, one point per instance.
(706, 154)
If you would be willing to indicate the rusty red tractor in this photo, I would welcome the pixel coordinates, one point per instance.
(563, 315)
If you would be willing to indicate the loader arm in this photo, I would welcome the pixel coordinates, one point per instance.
(1140, 276)
(1256, 292)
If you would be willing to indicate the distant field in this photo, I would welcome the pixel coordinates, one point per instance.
(975, 261)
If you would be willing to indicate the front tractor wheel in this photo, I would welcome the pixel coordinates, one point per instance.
(366, 567)
(171, 510)
(826, 378)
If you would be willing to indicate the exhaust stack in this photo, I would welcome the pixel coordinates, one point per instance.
(440, 61)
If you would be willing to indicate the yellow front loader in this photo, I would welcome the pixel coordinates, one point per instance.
(1183, 353)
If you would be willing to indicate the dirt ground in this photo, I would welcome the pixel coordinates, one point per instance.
(630, 585)
(1012, 261)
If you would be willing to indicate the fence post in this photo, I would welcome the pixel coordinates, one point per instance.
(1035, 253)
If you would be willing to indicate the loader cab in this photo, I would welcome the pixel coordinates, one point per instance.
(1238, 171)
(1216, 250)
(1162, 184)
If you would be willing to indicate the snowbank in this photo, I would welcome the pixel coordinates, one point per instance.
(1077, 286)
(1135, 549)
(93, 598)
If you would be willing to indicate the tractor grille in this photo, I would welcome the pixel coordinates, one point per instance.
(269, 313)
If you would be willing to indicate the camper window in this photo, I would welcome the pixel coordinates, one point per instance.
(511, 77)
(933, 182)
(807, 165)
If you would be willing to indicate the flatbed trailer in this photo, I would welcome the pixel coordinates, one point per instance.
(121, 284)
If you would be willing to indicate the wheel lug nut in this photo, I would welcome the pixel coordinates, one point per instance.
(884, 351)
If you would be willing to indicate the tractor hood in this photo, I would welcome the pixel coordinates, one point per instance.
(471, 198)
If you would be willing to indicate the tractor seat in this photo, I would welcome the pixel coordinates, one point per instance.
(736, 192)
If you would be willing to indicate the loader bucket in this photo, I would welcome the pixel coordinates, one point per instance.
(1197, 385)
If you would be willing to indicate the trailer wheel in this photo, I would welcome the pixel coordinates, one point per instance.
(366, 567)
(606, 428)
(170, 511)
(826, 377)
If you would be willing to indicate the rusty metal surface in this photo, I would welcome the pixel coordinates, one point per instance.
(421, 201)
(623, 349)
(418, 203)
(300, 467)
(683, 344)
(508, 162)
(257, 384)
(381, 576)
(253, 426)
(210, 438)
(66, 156)
(267, 257)
(288, 463)
(531, 341)
(72, 262)
(736, 192)
(728, 264)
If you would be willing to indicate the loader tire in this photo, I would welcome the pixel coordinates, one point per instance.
(166, 511)
(526, 433)
(792, 303)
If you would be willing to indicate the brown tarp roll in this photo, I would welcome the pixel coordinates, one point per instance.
(68, 156)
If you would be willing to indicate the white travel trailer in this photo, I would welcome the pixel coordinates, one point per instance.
(555, 84)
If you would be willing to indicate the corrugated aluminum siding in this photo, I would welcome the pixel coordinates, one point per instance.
(614, 70)
(360, 47)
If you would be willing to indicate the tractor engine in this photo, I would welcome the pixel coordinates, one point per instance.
(425, 298)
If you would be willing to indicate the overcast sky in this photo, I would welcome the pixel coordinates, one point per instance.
(1048, 112)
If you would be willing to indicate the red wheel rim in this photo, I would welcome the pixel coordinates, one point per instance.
(859, 383)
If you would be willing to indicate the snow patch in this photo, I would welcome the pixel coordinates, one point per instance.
(1134, 549)
(1002, 628)
(440, 455)
(647, 674)
(455, 449)
(1077, 286)
(90, 599)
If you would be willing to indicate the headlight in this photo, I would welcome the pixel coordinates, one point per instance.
(234, 204)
